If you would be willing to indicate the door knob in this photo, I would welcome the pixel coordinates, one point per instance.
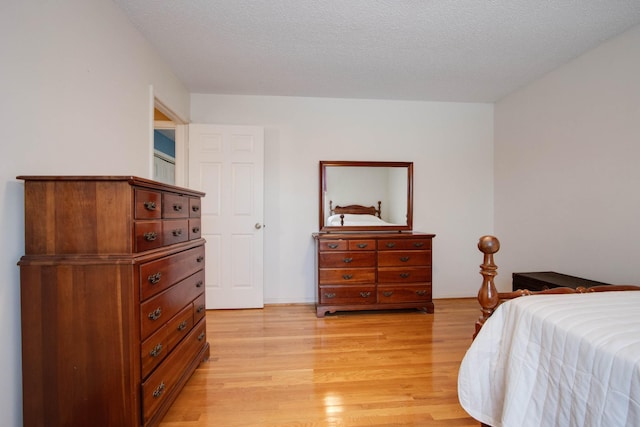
(258, 226)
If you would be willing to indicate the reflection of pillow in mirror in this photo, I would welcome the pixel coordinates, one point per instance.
(361, 218)
(333, 220)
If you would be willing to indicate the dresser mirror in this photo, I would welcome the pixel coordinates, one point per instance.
(366, 196)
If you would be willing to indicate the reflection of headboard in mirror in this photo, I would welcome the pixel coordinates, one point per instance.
(343, 213)
(348, 188)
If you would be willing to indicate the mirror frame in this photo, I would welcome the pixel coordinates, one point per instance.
(324, 164)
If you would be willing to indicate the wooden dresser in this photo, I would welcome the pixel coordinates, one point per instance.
(112, 297)
(373, 271)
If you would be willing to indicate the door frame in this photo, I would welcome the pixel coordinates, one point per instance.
(180, 125)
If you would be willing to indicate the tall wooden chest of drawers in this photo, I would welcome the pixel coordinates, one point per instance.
(112, 299)
(373, 271)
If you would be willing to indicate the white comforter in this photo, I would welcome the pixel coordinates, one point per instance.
(556, 360)
(356, 220)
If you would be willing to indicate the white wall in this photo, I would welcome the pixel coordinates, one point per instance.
(567, 169)
(75, 83)
(450, 145)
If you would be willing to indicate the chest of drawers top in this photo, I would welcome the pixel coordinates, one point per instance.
(106, 215)
(373, 241)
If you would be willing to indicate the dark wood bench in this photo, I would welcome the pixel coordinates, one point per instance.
(541, 280)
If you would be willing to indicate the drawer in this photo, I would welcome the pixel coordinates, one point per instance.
(404, 244)
(164, 380)
(160, 274)
(165, 339)
(194, 207)
(402, 258)
(333, 245)
(199, 308)
(404, 275)
(156, 311)
(179, 326)
(175, 231)
(347, 294)
(362, 245)
(415, 293)
(345, 276)
(347, 259)
(148, 204)
(148, 235)
(194, 229)
(175, 206)
(153, 350)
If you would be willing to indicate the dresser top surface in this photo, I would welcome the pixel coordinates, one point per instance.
(371, 235)
(130, 179)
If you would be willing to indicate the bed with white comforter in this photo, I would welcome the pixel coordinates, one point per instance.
(556, 360)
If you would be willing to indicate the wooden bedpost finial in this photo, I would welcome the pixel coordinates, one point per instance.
(488, 294)
(488, 245)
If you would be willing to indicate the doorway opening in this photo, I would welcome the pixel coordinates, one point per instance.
(164, 148)
(169, 145)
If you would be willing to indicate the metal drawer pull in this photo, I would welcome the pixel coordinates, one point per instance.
(154, 278)
(156, 351)
(362, 245)
(387, 293)
(391, 245)
(200, 308)
(404, 258)
(365, 294)
(200, 259)
(182, 326)
(150, 236)
(347, 260)
(158, 392)
(347, 276)
(177, 207)
(195, 229)
(177, 232)
(404, 275)
(201, 336)
(155, 314)
(330, 295)
(421, 292)
(150, 206)
(418, 244)
(195, 208)
(199, 284)
(332, 245)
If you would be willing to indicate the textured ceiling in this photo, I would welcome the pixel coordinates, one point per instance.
(438, 50)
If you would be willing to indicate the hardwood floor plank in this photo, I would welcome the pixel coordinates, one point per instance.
(282, 366)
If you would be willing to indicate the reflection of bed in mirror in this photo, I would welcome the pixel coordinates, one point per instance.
(356, 215)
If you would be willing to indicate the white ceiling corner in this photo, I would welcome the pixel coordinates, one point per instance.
(436, 50)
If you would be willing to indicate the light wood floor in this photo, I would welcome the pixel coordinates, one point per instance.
(282, 366)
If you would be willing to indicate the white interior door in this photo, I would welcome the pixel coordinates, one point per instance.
(227, 163)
